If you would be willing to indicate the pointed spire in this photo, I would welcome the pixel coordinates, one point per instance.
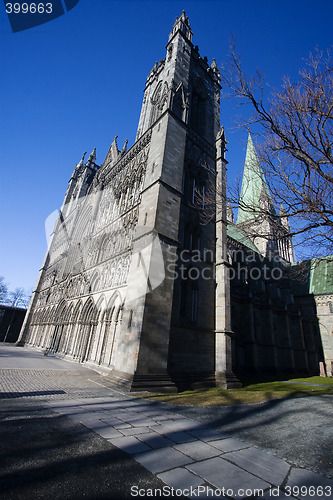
(123, 151)
(282, 210)
(92, 159)
(221, 135)
(284, 217)
(114, 149)
(113, 153)
(182, 24)
(255, 193)
(215, 69)
(221, 143)
(81, 162)
(79, 167)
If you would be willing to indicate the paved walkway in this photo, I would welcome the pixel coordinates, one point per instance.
(186, 455)
(190, 457)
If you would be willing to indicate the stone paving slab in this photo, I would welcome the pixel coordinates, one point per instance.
(155, 440)
(179, 437)
(107, 432)
(176, 436)
(162, 460)
(152, 414)
(130, 444)
(283, 496)
(198, 450)
(115, 422)
(180, 478)
(137, 422)
(312, 484)
(223, 474)
(162, 416)
(206, 434)
(131, 431)
(180, 425)
(229, 444)
(258, 462)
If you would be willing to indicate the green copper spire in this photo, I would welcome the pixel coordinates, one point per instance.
(254, 194)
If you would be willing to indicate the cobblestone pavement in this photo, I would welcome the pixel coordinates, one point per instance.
(26, 372)
(17, 383)
(184, 454)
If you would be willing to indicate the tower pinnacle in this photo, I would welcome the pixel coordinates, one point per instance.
(182, 24)
(81, 162)
(78, 168)
(92, 159)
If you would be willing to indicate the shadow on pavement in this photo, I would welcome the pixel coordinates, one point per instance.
(46, 456)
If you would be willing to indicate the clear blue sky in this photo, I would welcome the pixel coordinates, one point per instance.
(74, 83)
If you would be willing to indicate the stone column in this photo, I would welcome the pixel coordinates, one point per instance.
(224, 376)
(95, 342)
(111, 352)
(105, 329)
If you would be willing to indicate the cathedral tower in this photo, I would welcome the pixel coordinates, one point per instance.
(181, 110)
(128, 285)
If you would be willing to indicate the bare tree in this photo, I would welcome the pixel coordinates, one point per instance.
(295, 146)
(3, 291)
(19, 298)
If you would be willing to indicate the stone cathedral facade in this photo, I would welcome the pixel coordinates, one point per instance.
(136, 286)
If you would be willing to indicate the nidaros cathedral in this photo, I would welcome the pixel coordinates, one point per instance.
(136, 286)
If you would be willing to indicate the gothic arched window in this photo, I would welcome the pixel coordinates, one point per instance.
(159, 101)
(198, 108)
(196, 239)
(188, 237)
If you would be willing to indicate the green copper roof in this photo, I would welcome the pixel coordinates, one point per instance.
(314, 276)
(254, 187)
(239, 235)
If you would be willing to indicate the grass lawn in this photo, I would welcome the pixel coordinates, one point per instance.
(251, 392)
